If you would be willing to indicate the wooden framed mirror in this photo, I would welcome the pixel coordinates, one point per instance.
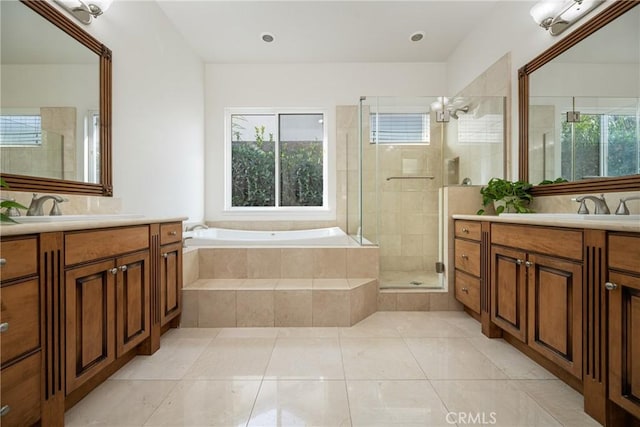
(55, 71)
(547, 103)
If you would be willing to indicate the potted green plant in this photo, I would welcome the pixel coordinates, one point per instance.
(506, 196)
(7, 204)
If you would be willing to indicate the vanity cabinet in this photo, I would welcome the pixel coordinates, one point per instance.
(467, 264)
(170, 272)
(20, 340)
(623, 316)
(536, 286)
(107, 311)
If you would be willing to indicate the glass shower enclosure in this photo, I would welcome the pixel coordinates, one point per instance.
(408, 149)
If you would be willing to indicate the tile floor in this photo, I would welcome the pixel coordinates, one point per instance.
(392, 369)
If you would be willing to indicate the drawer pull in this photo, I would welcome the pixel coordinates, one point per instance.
(465, 230)
(610, 286)
(4, 410)
(464, 256)
(3, 261)
(173, 233)
(4, 327)
(465, 290)
(123, 268)
(113, 271)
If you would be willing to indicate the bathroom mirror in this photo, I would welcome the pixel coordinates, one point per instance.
(56, 103)
(579, 107)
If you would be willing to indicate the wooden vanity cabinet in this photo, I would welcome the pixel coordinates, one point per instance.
(623, 315)
(467, 263)
(536, 286)
(170, 273)
(107, 298)
(20, 332)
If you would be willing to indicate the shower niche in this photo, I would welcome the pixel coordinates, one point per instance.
(405, 151)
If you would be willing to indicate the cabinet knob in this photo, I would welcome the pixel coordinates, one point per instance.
(113, 271)
(519, 261)
(464, 256)
(123, 268)
(173, 233)
(528, 264)
(465, 290)
(610, 286)
(4, 410)
(3, 261)
(465, 230)
(165, 255)
(4, 327)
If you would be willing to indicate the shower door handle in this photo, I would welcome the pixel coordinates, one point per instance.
(411, 177)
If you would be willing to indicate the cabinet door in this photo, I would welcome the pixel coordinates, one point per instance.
(508, 291)
(555, 311)
(133, 302)
(624, 342)
(170, 282)
(90, 321)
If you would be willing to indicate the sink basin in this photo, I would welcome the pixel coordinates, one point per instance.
(572, 217)
(64, 218)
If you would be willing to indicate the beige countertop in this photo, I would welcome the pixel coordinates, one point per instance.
(611, 225)
(46, 227)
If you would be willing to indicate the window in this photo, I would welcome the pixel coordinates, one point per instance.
(277, 160)
(393, 128)
(600, 145)
(20, 130)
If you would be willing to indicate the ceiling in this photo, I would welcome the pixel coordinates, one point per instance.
(325, 31)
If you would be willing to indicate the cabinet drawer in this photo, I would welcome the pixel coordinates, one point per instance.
(21, 258)
(170, 233)
(468, 290)
(20, 313)
(93, 245)
(21, 392)
(467, 256)
(624, 252)
(468, 229)
(549, 241)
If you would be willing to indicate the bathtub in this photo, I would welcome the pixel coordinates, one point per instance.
(332, 236)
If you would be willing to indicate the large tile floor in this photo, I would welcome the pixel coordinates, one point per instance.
(391, 369)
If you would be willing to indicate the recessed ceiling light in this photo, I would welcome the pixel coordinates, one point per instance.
(267, 37)
(417, 36)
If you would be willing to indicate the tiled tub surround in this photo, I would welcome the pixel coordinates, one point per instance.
(226, 287)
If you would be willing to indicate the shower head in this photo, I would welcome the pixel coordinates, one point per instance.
(454, 113)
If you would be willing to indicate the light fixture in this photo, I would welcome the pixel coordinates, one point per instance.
(267, 37)
(417, 36)
(557, 15)
(85, 10)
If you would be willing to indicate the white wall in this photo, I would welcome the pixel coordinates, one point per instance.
(511, 30)
(300, 85)
(158, 112)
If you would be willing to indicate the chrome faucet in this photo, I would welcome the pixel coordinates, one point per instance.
(600, 204)
(622, 207)
(35, 208)
(195, 227)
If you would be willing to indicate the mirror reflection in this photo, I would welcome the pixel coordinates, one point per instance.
(49, 108)
(584, 107)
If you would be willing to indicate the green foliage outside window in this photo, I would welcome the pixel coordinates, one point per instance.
(253, 172)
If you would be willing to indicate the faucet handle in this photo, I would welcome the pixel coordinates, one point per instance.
(55, 209)
(622, 208)
(582, 210)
